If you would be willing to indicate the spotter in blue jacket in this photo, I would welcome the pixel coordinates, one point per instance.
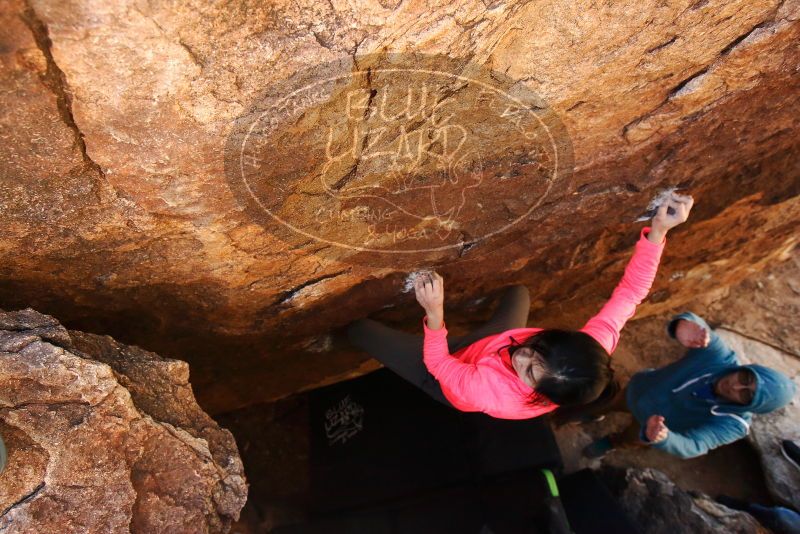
(682, 392)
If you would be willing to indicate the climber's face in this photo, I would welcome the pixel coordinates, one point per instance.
(527, 364)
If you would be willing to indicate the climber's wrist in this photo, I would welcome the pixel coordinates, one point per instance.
(435, 318)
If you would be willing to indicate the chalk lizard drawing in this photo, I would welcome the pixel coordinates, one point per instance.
(343, 421)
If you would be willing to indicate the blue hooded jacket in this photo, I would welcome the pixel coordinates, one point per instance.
(697, 423)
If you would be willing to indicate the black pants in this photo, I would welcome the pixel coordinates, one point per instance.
(402, 352)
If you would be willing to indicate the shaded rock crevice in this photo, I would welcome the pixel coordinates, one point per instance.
(660, 46)
(289, 295)
(49, 405)
(23, 500)
(55, 80)
(770, 21)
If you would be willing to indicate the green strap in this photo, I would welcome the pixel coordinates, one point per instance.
(551, 482)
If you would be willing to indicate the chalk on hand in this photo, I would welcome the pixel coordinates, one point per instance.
(662, 197)
(411, 279)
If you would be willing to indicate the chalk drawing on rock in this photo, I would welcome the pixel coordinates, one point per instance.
(403, 160)
(343, 421)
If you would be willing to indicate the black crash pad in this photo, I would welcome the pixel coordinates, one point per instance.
(377, 439)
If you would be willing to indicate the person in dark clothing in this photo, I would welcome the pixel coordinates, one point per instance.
(778, 519)
(702, 401)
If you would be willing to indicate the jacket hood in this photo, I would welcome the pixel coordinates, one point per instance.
(773, 390)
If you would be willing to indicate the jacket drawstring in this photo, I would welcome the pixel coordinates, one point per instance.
(714, 408)
(690, 382)
(740, 419)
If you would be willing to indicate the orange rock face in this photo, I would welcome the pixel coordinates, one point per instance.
(104, 437)
(121, 213)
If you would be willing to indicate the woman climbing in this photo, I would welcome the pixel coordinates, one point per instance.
(505, 369)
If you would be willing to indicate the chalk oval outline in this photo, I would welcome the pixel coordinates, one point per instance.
(461, 244)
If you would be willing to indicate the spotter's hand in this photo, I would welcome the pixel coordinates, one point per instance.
(656, 430)
(691, 335)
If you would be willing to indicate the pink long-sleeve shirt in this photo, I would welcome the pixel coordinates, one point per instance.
(477, 378)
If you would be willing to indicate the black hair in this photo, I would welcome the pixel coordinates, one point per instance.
(577, 369)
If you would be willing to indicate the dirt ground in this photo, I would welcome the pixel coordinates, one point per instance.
(274, 443)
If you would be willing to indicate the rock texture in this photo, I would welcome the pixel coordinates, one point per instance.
(659, 506)
(117, 216)
(104, 438)
(764, 307)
